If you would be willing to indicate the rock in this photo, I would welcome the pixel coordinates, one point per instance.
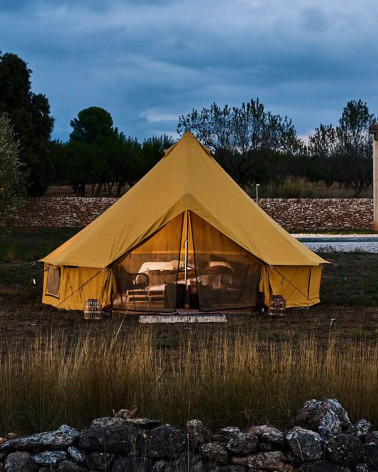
(100, 460)
(362, 429)
(214, 453)
(19, 462)
(63, 437)
(70, 466)
(274, 461)
(76, 454)
(163, 442)
(374, 436)
(371, 453)
(242, 444)
(361, 468)
(269, 435)
(109, 435)
(159, 466)
(327, 417)
(49, 458)
(322, 466)
(305, 444)
(346, 450)
(223, 435)
(132, 464)
(197, 433)
(143, 423)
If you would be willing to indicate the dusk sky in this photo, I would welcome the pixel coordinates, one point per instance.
(147, 62)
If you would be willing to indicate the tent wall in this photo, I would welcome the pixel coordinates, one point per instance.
(300, 286)
(76, 285)
(186, 264)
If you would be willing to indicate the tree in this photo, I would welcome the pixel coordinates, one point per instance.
(30, 116)
(344, 153)
(12, 187)
(244, 140)
(92, 124)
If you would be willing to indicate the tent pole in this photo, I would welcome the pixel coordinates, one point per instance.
(186, 260)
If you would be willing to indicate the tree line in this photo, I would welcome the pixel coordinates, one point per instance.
(251, 143)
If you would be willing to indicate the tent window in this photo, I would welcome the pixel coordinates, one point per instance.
(53, 282)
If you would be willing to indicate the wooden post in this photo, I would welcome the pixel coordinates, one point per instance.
(374, 130)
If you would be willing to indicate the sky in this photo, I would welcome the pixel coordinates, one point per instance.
(149, 61)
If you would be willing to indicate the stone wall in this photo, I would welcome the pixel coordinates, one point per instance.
(323, 439)
(295, 215)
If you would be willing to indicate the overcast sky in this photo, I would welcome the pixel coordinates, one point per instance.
(148, 61)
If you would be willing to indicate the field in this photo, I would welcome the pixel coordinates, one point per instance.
(56, 368)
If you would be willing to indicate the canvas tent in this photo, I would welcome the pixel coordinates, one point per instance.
(186, 235)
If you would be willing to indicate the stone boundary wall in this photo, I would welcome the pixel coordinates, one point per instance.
(294, 214)
(322, 440)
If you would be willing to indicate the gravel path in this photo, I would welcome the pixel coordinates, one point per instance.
(347, 246)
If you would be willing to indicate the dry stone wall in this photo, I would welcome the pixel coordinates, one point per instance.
(322, 439)
(294, 214)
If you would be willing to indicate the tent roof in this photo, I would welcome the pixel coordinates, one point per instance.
(186, 178)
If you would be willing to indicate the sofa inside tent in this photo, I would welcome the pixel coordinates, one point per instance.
(185, 237)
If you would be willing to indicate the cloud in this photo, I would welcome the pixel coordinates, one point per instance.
(149, 61)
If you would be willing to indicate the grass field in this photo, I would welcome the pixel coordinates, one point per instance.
(56, 368)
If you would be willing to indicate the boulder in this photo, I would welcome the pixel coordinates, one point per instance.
(76, 454)
(269, 435)
(242, 444)
(272, 461)
(163, 442)
(305, 444)
(223, 435)
(109, 435)
(49, 458)
(327, 417)
(19, 462)
(362, 429)
(70, 466)
(345, 449)
(322, 466)
(63, 437)
(214, 454)
(100, 460)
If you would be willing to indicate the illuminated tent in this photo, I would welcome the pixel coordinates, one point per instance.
(185, 236)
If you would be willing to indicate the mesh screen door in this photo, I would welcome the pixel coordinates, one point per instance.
(187, 264)
(227, 275)
(146, 278)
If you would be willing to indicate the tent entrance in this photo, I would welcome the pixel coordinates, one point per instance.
(188, 265)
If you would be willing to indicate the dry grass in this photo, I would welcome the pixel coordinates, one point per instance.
(221, 379)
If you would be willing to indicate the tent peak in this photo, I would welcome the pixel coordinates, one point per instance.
(190, 135)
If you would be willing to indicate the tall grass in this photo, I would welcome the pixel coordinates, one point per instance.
(223, 379)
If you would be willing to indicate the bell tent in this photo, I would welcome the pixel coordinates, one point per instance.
(185, 236)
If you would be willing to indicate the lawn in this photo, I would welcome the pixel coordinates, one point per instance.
(57, 368)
